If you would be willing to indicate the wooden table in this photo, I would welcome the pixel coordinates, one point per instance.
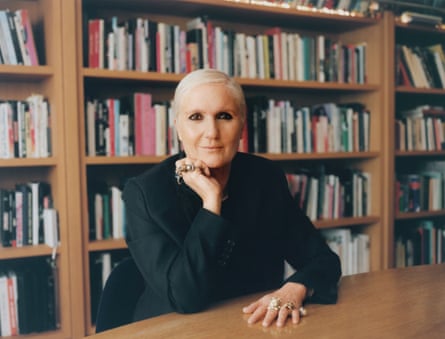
(395, 303)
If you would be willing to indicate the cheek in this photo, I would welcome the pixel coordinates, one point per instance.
(188, 134)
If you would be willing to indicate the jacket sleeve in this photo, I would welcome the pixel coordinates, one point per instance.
(317, 266)
(178, 269)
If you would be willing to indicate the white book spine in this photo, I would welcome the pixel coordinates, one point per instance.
(4, 307)
(116, 205)
(106, 267)
(50, 222)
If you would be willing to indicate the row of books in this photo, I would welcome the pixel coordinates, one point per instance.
(355, 7)
(420, 244)
(420, 66)
(421, 129)
(17, 45)
(25, 128)
(106, 211)
(28, 216)
(279, 126)
(424, 191)
(101, 265)
(145, 45)
(28, 298)
(131, 125)
(324, 195)
(352, 248)
(135, 125)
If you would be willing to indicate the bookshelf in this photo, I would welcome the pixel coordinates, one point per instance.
(18, 82)
(66, 80)
(82, 82)
(404, 224)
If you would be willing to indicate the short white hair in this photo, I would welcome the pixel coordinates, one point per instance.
(209, 76)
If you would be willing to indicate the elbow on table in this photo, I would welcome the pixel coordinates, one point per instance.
(187, 303)
(188, 307)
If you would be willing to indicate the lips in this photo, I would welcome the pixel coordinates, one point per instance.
(211, 148)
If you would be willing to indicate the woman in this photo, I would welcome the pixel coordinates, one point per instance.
(212, 223)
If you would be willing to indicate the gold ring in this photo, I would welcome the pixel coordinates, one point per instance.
(188, 167)
(274, 304)
(289, 305)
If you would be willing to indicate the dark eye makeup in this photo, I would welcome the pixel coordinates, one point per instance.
(220, 116)
(224, 116)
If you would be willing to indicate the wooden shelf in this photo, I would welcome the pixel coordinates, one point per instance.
(419, 215)
(346, 222)
(106, 245)
(25, 252)
(19, 82)
(172, 79)
(403, 154)
(239, 12)
(29, 162)
(140, 160)
(411, 162)
(25, 73)
(418, 28)
(419, 91)
(320, 156)
(66, 82)
(105, 160)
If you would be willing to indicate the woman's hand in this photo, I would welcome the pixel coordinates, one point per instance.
(278, 306)
(200, 180)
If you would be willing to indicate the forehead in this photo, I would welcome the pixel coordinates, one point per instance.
(208, 97)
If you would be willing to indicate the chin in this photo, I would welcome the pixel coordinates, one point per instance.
(216, 162)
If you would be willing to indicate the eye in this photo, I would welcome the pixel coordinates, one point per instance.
(224, 116)
(195, 116)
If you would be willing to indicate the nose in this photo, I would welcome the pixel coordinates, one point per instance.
(211, 128)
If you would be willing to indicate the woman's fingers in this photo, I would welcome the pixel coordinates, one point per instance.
(270, 317)
(251, 308)
(295, 316)
(270, 309)
(257, 315)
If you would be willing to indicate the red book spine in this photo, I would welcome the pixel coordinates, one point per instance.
(147, 126)
(93, 43)
(211, 44)
(12, 307)
(29, 41)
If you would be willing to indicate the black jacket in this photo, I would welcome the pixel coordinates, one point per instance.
(191, 258)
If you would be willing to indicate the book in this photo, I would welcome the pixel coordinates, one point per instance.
(15, 37)
(5, 315)
(339, 241)
(28, 36)
(6, 40)
(116, 212)
(12, 302)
